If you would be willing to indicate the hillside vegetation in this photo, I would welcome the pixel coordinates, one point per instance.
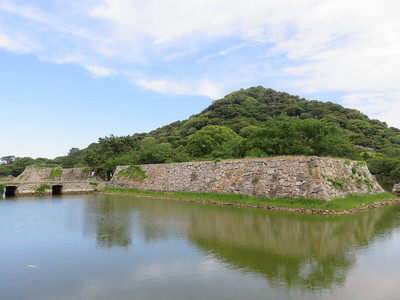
(254, 122)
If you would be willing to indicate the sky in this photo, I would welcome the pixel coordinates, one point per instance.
(74, 71)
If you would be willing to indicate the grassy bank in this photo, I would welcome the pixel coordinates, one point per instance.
(340, 204)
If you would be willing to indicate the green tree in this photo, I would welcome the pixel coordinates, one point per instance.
(291, 135)
(8, 159)
(153, 152)
(211, 138)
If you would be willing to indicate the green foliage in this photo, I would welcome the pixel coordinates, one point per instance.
(16, 165)
(7, 159)
(337, 184)
(368, 182)
(2, 187)
(46, 166)
(359, 183)
(294, 136)
(354, 169)
(54, 173)
(42, 188)
(86, 171)
(130, 158)
(385, 166)
(132, 172)
(214, 138)
(153, 152)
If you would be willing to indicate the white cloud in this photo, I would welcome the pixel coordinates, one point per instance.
(381, 106)
(18, 43)
(209, 47)
(166, 86)
(100, 71)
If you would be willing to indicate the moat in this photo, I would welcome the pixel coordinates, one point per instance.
(113, 247)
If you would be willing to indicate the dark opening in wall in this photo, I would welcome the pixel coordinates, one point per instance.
(11, 191)
(56, 189)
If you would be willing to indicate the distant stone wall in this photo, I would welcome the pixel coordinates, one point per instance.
(37, 180)
(29, 189)
(43, 174)
(288, 177)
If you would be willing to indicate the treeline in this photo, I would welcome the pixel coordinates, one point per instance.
(255, 122)
(13, 166)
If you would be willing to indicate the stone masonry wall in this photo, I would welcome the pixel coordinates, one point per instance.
(288, 177)
(41, 174)
(396, 189)
(28, 189)
(73, 181)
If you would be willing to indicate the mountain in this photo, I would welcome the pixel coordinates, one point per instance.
(253, 106)
(253, 122)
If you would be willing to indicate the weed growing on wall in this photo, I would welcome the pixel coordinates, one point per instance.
(132, 172)
(55, 173)
(42, 188)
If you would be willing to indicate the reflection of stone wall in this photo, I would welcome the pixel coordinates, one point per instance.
(288, 177)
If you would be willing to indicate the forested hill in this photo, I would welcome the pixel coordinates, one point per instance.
(245, 108)
(253, 122)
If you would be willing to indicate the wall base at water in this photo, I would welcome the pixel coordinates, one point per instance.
(30, 189)
(287, 177)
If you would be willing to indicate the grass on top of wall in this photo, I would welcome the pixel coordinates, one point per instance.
(339, 204)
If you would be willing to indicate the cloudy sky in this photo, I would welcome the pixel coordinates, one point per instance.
(73, 71)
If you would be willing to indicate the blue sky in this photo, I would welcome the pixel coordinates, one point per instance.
(73, 72)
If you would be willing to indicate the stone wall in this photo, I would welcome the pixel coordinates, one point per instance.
(42, 174)
(396, 189)
(288, 177)
(28, 189)
(37, 180)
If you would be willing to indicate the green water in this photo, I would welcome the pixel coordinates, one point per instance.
(112, 247)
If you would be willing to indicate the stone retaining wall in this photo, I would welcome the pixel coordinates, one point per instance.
(38, 180)
(44, 174)
(396, 189)
(288, 177)
(29, 189)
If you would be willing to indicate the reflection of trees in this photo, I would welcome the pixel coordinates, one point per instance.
(309, 252)
(110, 220)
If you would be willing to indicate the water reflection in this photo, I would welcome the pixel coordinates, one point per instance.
(307, 252)
(110, 220)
